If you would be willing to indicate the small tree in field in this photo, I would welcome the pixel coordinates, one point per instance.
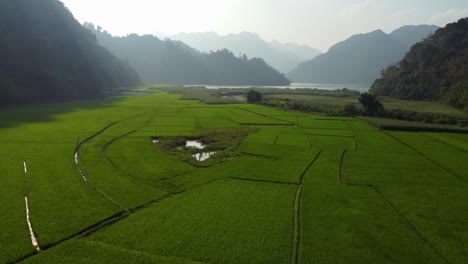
(372, 105)
(254, 97)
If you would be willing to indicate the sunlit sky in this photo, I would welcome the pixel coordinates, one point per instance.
(317, 23)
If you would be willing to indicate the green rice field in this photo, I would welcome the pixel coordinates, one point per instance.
(113, 181)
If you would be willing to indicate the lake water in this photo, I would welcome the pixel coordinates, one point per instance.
(194, 144)
(322, 86)
(203, 155)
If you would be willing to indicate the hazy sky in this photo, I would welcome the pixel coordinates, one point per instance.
(317, 23)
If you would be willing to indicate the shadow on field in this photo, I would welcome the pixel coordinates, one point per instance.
(18, 115)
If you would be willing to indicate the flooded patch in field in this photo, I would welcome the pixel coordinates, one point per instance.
(194, 144)
(203, 155)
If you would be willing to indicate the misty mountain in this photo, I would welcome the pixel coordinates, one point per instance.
(168, 61)
(46, 55)
(361, 58)
(434, 69)
(410, 35)
(282, 56)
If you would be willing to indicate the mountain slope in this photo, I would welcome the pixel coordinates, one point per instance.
(283, 57)
(359, 59)
(410, 35)
(46, 55)
(167, 61)
(436, 68)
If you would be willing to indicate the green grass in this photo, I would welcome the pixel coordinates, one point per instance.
(439, 214)
(216, 223)
(326, 169)
(14, 234)
(398, 169)
(85, 251)
(342, 224)
(439, 153)
(458, 141)
(144, 160)
(238, 207)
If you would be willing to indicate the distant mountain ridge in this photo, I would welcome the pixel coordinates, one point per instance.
(282, 56)
(47, 56)
(434, 69)
(360, 58)
(168, 61)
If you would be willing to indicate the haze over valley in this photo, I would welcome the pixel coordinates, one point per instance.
(266, 131)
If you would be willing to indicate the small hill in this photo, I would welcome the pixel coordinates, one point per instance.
(360, 59)
(434, 69)
(168, 61)
(47, 56)
(282, 56)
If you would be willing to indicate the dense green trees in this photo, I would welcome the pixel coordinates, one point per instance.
(46, 55)
(254, 97)
(372, 106)
(166, 61)
(434, 69)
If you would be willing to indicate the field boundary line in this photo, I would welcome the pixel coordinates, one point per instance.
(152, 256)
(407, 223)
(264, 124)
(84, 174)
(113, 165)
(228, 118)
(301, 177)
(426, 157)
(263, 181)
(266, 116)
(297, 226)
(276, 138)
(101, 224)
(402, 219)
(113, 219)
(323, 135)
(296, 239)
(310, 141)
(325, 128)
(260, 156)
(98, 226)
(34, 241)
(341, 174)
(356, 142)
(443, 142)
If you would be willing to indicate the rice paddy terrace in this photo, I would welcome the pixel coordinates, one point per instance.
(114, 181)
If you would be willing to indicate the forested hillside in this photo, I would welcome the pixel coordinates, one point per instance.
(434, 69)
(46, 55)
(167, 61)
